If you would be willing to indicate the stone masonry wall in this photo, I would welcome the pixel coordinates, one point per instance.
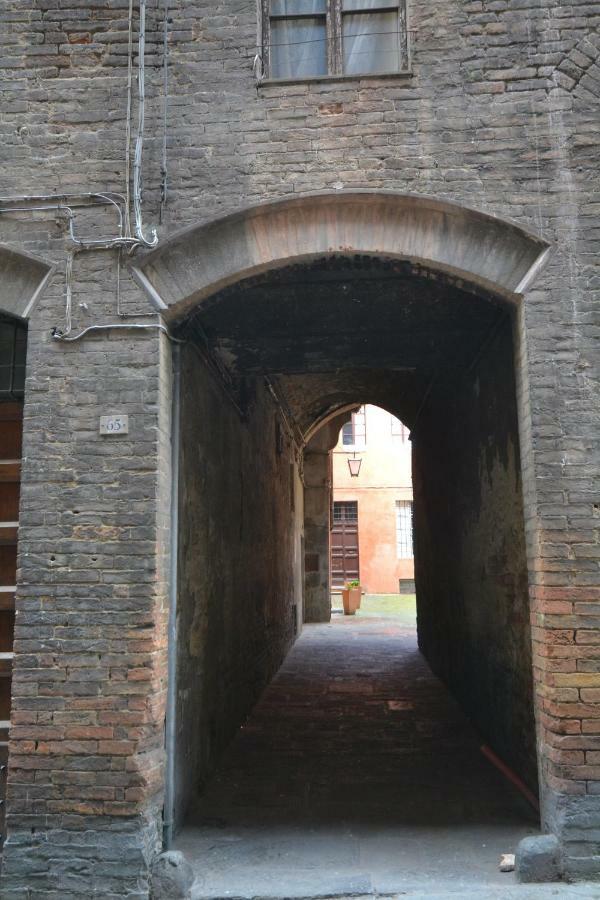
(501, 113)
(239, 582)
(470, 565)
(86, 743)
(317, 524)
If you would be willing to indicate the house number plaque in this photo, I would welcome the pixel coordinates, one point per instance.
(112, 425)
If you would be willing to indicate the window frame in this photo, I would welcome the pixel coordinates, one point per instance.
(403, 537)
(358, 421)
(346, 506)
(15, 331)
(335, 49)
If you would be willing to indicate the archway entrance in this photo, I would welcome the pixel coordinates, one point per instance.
(279, 342)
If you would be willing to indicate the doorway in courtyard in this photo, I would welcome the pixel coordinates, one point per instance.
(292, 726)
(372, 512)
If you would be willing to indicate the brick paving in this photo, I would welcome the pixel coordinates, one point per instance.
(356, 773)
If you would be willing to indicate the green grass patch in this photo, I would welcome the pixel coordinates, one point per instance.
(398, 606)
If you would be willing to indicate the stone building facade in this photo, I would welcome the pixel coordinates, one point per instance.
(310, 234)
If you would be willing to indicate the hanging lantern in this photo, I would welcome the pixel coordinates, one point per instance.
(354, 465)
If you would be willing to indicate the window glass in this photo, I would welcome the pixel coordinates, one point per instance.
(348, 433)
(19, 366)
(298, 7)
(366, 5)
(312, 38)
(298, 48)
(345, 511)
(354, 432)
(404, 529)
(370, 43)
(13, 348)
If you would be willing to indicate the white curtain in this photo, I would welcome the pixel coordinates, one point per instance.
(298, 48)
(371, 42)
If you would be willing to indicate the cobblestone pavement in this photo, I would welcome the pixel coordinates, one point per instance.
(357, 774)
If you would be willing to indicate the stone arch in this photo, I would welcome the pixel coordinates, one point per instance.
(469, 247)
(334, 415)
(22, 279)
(212, 268)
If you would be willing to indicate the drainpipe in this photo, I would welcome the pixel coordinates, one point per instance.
(170, 721)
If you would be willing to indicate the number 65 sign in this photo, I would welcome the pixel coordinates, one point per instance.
(114, 425)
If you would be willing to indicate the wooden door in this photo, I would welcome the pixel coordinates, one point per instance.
(344, 543)
(11, 423)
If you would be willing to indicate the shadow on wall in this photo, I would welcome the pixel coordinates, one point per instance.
(471, 568)
(239, 579)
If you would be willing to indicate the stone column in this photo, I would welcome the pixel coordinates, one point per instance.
(86, 750)
(317, 524)
(559, 406)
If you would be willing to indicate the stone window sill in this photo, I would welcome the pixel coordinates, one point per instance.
(318, 79)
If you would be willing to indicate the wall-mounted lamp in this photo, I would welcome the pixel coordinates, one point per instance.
(354, 465)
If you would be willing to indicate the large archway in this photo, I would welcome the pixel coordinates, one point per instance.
(471, 246)
(290, 315)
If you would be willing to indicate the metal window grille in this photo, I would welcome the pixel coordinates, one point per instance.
(345, 511)
(13, 348)
(404, 529)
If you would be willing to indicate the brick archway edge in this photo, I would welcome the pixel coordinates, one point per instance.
(475, 248)
(22, 279)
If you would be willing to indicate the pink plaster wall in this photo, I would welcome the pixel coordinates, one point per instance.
(385, 477)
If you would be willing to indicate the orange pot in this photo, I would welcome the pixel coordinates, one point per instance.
(351, 600)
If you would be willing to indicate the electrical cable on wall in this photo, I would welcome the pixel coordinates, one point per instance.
(65, 205)
(163, 166)
(139, 140)
(128, 121)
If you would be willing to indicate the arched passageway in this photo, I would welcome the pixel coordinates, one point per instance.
(289, 318)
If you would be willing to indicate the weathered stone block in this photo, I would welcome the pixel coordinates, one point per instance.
(538, 859)
(171, 877)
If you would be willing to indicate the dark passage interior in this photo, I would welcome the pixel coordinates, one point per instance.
(268, 367)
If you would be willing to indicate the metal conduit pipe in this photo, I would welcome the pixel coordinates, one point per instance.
(170, 717)
(511, 776)
(139, 140)
(66, 204)
(114, 326)
(34, 198)
(122, 206)
(8, 205)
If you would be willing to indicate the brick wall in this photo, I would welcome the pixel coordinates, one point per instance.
(239, 586)
(470, 565)
(501, 113)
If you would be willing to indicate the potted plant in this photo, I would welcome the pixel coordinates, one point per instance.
(351, 594)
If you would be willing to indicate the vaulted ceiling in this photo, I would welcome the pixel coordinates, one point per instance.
(340, 331)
